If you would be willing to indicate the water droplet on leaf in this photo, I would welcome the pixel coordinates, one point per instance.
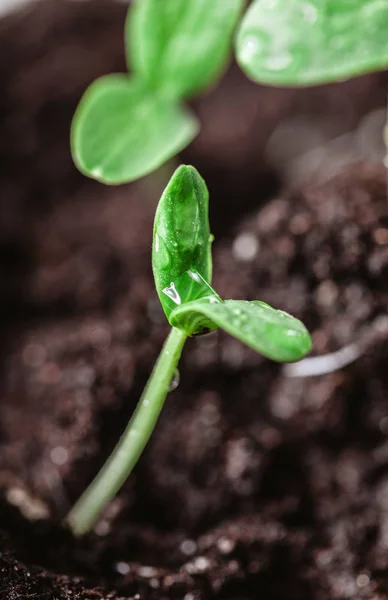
(194, 276)
(172, 293)
(278, 62)
(96, 172)
(291, 332)
(250, 48)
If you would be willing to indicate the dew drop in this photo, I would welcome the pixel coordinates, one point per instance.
(291, 332)
(278, 62)
(194, 276)
(172, 293)
(250, 48)
(174, 381)
(96, 172)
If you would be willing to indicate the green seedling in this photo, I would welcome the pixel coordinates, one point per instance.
(182, 267)
(298, 42)
(126, 126)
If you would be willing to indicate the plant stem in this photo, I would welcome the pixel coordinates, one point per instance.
(131, 444)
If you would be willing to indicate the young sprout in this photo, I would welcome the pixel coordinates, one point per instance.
(182, 267)
(298, 42)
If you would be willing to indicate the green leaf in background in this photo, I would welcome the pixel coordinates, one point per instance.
(180, 45)
(273, 333)
(181, 250)
(122, 130)
(297, 42)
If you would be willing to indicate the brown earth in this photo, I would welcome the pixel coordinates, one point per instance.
(255, 484)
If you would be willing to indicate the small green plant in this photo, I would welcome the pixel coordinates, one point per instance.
(182, 267)
(307, 42)
(128, 126)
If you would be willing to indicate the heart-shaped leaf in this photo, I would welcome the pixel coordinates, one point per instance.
(297, 42)
(122, 130)
(181, 250)
(270, 332)
(180, 45)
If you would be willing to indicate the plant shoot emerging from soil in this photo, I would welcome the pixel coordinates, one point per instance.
(182, 267)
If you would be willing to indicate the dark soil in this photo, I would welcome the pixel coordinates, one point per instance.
(255, 484)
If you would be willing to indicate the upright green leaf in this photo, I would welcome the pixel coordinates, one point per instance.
(181, 251)
(122, 130)
(180, 45)
(297, 42)
(270, 332)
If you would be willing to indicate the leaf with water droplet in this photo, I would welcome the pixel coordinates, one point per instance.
(273, 333)
(122, 130)
(181, 251)
(180, 46)
(306, 42)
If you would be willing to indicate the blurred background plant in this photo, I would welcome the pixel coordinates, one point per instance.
(126, 127)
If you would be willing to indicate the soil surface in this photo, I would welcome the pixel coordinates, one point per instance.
(257, 483)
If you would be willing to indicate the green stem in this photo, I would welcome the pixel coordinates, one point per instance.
(131, 444)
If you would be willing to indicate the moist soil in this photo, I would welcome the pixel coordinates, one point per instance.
(256, 483)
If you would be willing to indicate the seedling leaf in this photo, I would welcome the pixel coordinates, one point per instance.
(180, 45)
(273, 333)
(293, 42)
(181, 250)
(122, 130)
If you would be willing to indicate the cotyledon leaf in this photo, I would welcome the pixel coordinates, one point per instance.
(180, 45)
(122, 130)
(273, 333)
(181, 249)
(305, 42)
